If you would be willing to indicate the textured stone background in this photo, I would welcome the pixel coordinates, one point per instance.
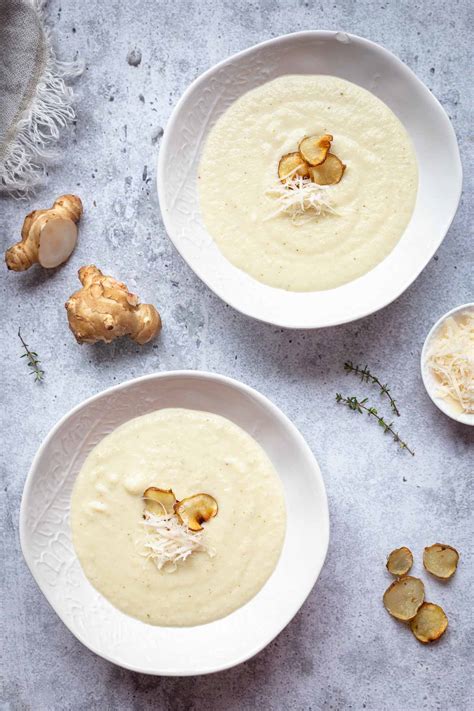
(342, 651)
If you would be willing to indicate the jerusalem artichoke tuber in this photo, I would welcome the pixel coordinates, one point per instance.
(47, 236)
(103, 309)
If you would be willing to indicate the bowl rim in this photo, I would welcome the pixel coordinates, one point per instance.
(403, 285)
(439, 402)
(276, 412)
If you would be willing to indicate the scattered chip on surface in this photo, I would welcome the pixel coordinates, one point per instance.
(429, 623)
(441, 560)
(291, 166)
(328, 173)
(399, 561)
(314, 149)
(404, 597)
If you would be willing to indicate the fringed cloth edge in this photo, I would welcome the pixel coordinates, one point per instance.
(30, 147)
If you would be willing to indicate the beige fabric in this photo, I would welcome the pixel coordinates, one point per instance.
(35, 101)
(21, 61)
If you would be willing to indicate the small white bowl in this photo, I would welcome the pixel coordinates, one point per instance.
(360, 61)
(176, 651)
(429, 380)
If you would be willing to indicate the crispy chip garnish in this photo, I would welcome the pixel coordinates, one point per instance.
(429, 623)
(159, 501)
(314, 149)
(196, 509)
(441, 560)
(399, 561)
(403, 598)
(328, 173)
(292, 165)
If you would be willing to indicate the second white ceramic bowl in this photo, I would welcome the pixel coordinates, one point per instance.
(429, 380)
(357, 60)
(46, 536)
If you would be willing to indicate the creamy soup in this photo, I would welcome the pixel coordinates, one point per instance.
(189, 452)
(371, 205)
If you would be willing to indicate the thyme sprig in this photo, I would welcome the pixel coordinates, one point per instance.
(368, 377)
(33, 361)
(360, 406)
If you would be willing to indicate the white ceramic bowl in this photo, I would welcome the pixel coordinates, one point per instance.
(357, 60)
(46, 536)
(429, 379)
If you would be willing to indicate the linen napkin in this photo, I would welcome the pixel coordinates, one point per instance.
(35, 101)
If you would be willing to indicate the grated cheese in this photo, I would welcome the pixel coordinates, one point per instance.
(301, 199)
(168, 541)
(451, 359)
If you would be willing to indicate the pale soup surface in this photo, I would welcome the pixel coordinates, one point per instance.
(374, 200)
(190, 452)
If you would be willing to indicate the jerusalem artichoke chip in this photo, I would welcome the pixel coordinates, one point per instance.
(399, 561)
(196, 509)
(328, 173)
(314, 149)
(159, 501)
(292, 165)
(441, 560)
(404, 597)
(429, 623)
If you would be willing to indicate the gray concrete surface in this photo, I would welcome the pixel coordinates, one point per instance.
(342, 651)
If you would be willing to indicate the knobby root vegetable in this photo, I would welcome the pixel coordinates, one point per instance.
(47, 236)
(104, 309)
